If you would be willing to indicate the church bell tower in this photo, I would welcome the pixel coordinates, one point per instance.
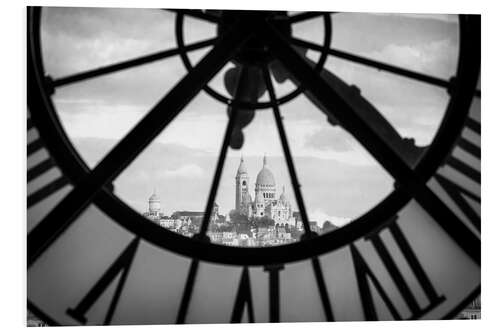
(241, 184)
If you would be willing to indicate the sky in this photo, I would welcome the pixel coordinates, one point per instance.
(339, 179)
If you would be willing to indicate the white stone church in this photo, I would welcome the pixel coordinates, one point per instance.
(266, 202)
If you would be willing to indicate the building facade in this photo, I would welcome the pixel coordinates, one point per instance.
(472, 311)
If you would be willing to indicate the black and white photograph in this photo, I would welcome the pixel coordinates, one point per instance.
(216, 166)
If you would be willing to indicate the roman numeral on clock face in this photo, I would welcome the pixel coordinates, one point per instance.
(243, 298)
(40, 164)
(365, 275)
(121, 266)
(46, 182)
(274, 292)
(276, 281)
(244, 295)
(458, 182)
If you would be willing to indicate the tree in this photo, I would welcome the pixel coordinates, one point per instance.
(238, 218)
(225, 228)
(295, 233)
(243, 228)
(196, 221)
(264, 222)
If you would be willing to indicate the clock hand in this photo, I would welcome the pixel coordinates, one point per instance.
(412, 181)
(61, 217)
(243, 87)
(409, 74)
(405, 147)
(235, 123)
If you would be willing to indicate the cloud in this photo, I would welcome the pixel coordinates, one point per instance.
(330, 139)
(448, 18)
(185, 171)
(79, 39)
(415, 109)
(107, 107)
(435, 57)
(82, 38)
(367, 32)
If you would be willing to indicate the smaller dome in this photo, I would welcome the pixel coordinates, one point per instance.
(154, 197)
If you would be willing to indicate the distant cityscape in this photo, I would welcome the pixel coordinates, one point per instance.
(267, 220)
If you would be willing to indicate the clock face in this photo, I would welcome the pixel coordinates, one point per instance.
(94, 259)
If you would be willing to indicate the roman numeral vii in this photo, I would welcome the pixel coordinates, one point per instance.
(364, 275)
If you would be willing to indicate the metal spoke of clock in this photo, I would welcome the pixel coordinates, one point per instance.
(297, 18)
(378, 65)
(322, 288)
(197, 13)
(318, 272)
(56, 222)
(188, 292)
(93, 73)
(233, 114)
(286, 150)
(370, 139)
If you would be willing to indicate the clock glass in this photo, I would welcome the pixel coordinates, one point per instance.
(214, 166)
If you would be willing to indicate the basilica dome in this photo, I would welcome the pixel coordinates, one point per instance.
(265, 176)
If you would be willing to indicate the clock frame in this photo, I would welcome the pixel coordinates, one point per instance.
(419, 184)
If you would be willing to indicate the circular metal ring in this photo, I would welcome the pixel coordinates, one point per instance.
(45, 118)
(327, 38)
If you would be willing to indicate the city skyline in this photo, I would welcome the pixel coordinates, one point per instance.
(226, 206)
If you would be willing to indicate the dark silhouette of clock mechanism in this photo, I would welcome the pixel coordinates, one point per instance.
(261, 48)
